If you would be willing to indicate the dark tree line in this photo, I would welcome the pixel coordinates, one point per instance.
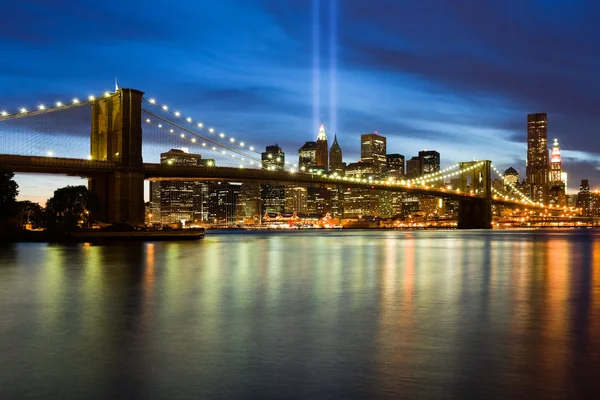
(69, 208)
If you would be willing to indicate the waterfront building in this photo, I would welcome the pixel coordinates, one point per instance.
(296, 199)
(248, 205)
(272, 196)
(359, 202)
(176, 201)
(537, 157)
(222, 199)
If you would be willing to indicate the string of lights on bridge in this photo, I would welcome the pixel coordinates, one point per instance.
(193, 139)
(200, 125)
(42, 107)
(523, 197)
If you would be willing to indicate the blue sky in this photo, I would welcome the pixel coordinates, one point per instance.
(457, 77)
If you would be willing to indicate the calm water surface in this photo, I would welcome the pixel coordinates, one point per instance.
(352, 314)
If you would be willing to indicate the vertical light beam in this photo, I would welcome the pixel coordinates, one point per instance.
(316, 39)
(333, 16)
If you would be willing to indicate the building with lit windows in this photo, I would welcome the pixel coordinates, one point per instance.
(394, 164)
(296, 199)
(430, 161)
(176, 201)
(222, 199)
(248, 205)
(307, 156)
(322, 156)
(557, 190)
(511, 176)
(537, 174)
(272, 196)
(273, 158)
(413, 168)
(373, 150)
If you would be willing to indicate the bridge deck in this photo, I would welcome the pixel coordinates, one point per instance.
(87, 168)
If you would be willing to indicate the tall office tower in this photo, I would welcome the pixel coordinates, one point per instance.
(394, 166)
(537, 156)
(557, 193)
(322, 150)
(430, 161)
(555, 164)
(335, 157)
(272, 196)
(413, 168)
(222, 199)
(177, 200)
(307, 156)
(295, 199)
(273, 158)
(247, 208)
(373, 149)
(511, 176)
(584, 199)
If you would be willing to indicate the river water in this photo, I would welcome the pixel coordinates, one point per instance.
(337, 314)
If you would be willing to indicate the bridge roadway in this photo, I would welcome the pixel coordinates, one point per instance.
(88, 168)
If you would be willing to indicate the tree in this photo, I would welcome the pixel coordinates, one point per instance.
(9, 189)
(71, 206)
(30, 212)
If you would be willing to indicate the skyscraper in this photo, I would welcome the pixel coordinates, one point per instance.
(511, 176)
(413, 168)
(272, 196)
(322, 150)
(307, 156)
(395, 165)
(177, 200)
(273, 158)
(430, 161)
(373, 150)
(335, 157)
(537, 156)
(557, 193)
(555, 164)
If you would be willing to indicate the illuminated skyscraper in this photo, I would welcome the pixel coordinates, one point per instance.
(556, 195)
(335, 157)
(322, 150)
(373, 150)
(307, 156)
(555, 164)
(413, 167)
(430, 161)
(537, 156)
(273, 158)
(273, 196)
(511, 176)
(395, 166)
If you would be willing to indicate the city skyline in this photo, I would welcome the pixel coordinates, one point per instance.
(457, 92)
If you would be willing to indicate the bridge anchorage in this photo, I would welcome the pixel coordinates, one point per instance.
(116, 170)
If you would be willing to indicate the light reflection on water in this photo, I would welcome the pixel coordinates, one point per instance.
(352, 314)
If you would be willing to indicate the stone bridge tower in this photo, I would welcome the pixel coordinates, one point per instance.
(116, 135)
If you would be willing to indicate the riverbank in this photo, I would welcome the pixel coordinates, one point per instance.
(100, 236)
